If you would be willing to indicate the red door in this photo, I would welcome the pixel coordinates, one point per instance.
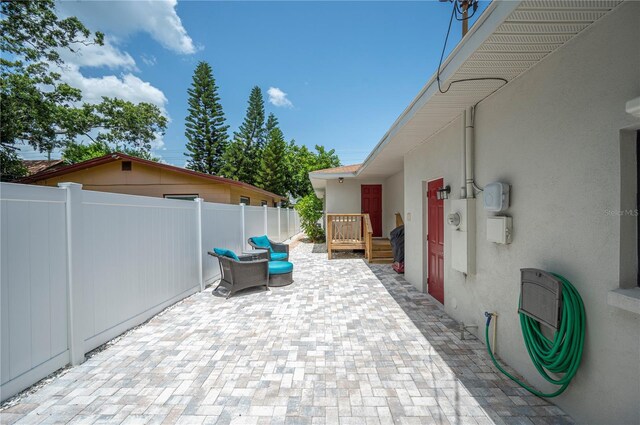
(435, 241)
(371, 203)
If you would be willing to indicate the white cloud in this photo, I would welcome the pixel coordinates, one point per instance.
(96, 56)
(127, 87)
(157, 18)
(149, 60)
(278, 98)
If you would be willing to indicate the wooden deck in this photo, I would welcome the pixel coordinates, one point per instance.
(347, 232)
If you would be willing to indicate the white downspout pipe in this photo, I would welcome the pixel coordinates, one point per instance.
(469, 151)
(463, 168)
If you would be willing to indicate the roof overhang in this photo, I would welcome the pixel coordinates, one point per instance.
(508, 39)
(319, 180)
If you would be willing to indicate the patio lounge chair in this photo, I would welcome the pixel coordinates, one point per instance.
(241, 272)
(277, 251)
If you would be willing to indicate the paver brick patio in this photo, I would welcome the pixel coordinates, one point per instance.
(347, 343)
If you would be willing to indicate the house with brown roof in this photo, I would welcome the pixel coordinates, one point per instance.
(121, 173)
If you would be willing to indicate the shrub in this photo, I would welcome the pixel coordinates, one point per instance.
(310, 210)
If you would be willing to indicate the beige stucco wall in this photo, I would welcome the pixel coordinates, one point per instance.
(553, 134)
(345, 197)
(146, 180)
(392, 201)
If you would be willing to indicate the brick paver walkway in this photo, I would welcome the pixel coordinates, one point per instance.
(345, 344)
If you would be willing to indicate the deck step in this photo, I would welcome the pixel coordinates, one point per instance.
(382, 254)
(381, 261)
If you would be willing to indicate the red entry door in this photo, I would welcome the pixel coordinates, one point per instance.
(435, 241)
(371, 203)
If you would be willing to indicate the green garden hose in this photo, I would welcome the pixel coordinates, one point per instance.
(561, 355)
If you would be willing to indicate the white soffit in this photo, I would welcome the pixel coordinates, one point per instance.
(530, 32)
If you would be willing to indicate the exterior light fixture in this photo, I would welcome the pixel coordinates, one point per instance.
(443, 192)
(340, 179)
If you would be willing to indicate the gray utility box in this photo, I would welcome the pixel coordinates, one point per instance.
(541, 297)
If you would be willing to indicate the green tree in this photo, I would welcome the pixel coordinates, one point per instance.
(301, 161)
(242, 157)
(206, 130)
(310, 209)
(78, 152)
(37, 108)
(272, 172)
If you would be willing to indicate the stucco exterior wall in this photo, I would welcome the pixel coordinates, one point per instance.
(146, 180)
(554, 135)
(346, 198)
(392, 201)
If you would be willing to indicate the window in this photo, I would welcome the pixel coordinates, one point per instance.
(245, 200)
(263, 203)
(627, 296)
(637, 211)
(126, 165)
(181, 197)
(275, 204)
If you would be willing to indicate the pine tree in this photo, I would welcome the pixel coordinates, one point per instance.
(272, 173)
(206, 129)
(242, 157)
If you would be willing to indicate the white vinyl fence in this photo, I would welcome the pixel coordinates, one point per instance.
(79, 267)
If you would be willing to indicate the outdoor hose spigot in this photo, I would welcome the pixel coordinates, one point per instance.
(488, 316)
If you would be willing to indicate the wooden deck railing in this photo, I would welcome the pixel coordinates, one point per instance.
(348, 232)
(368, 230)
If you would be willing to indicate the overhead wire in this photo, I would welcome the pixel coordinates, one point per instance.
(454, 13)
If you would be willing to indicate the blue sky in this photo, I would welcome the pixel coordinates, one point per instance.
(348, 68)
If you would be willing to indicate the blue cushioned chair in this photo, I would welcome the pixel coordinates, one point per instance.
(241, 272)
(277, 251)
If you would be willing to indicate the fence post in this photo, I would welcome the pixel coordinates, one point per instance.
(199, 251)
(243, 244)
(266, 227)
(279, 225)
(74, 229)
(289, 223)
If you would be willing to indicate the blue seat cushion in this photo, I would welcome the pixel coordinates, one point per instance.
(262, 242)
(280, 267)
(278, 256)
(226, 253)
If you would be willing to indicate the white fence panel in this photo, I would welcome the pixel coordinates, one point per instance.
(140, 254)
(292, 222)
(33, 312)
(80, 267)
(272, 224)
(254, 221)
(221, 228)
(284, 224)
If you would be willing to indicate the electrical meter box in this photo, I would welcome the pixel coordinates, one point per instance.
(541, 297)
(499, 229)
(495, 197)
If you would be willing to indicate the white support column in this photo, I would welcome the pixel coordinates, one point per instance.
(266, 227)
(243, 244)
(199, 247)
(75, 310)
(279, 226)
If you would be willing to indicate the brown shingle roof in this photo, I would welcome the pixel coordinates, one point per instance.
(34, 166)
(340, 170)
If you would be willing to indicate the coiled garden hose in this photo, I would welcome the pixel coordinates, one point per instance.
(563, 354)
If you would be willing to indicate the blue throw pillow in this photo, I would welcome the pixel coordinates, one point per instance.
(226, 253)
(262, 242)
